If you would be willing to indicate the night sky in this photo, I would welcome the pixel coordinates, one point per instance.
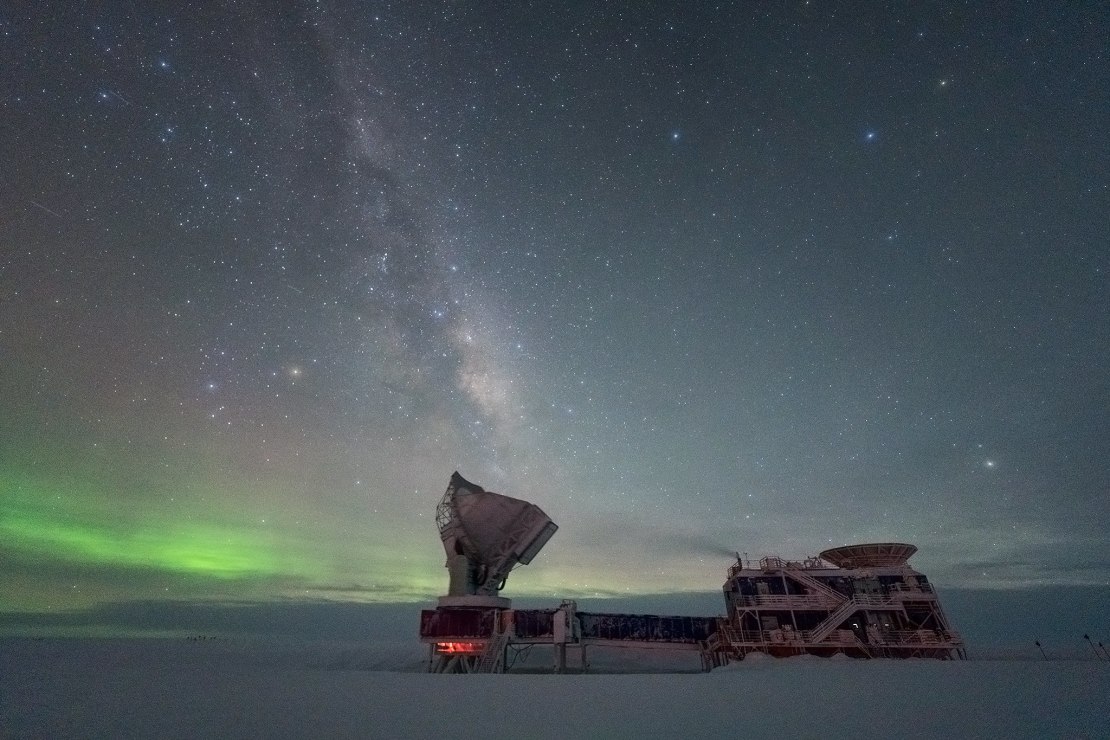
(694, 278)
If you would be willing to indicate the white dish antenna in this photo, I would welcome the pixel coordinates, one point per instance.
(486, 535)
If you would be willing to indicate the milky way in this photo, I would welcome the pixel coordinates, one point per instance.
(757, 278)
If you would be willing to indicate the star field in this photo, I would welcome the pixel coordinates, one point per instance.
(702, 279)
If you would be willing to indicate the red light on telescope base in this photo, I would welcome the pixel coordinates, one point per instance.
(460, 648)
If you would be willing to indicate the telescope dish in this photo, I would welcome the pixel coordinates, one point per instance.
(872, 555)
(486, 534)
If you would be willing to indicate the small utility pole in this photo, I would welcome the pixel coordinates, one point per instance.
(1038, 644)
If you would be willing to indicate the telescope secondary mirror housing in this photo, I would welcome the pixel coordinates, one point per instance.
(486, 535)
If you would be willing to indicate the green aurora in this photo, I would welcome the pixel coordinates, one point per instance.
(60, 530)
(38, 524)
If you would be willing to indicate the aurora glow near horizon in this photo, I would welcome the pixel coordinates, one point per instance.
(758, 278)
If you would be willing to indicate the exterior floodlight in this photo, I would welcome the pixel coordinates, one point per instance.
(486, 535)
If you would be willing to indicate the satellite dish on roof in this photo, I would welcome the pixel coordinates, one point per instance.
(871, 555)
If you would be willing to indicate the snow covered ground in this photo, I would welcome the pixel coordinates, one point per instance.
(230, 688)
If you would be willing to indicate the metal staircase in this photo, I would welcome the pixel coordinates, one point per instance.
(847, 609)
(817, 586)
(493, 657)
(834, 620)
